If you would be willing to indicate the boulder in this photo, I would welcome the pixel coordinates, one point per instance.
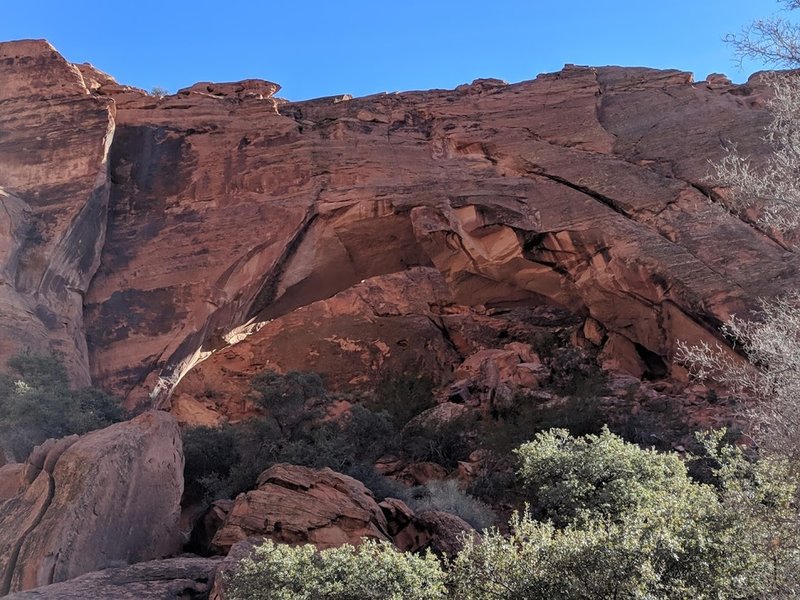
(296, 505)
(397, 514)
(85, 503)
(492, 376)
(435, 530)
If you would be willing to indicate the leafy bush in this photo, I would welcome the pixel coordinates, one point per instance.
(222, 462)
(527, 416)
(210, 453)
(286, 397)
(372, 571)
(760, 498)
(629, 523)
(36, 403)
(403, 397)
(381, 487)
(574, 372)
(573, 479)
(602, 560)
(444, 443)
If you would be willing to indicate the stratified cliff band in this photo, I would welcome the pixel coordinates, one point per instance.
(143, 234)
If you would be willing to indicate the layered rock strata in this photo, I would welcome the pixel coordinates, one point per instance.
(295, 505)
(585, 189)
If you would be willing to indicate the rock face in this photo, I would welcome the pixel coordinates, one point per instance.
(54, 188)
(434, 530)
(296, 505)
(90, 502)
(177, 578)
(584, 189)
(233, 217)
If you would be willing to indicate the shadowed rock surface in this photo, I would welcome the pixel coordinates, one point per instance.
(85, 503)
(173, 579)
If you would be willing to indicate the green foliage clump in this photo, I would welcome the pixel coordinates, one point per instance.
(626, 522)
(570, 479)
(222, 462)
(372, 571)
(36, 403)
(442, 442)
(403, 397)
(635, 559)
(287, 397)
(760, 498)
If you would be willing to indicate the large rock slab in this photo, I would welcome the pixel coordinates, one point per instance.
(54, 189)
(184, 578)
(570, 190)
(586, 189)
(296, 505)
(87, 503)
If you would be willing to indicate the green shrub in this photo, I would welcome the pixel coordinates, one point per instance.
(210, 453)
(381, 487)
(571, 479)
(445, 443)
(526, 416)
(372, 571)
(36, 403)
(598, 560)
(623, 522)
(574, 372)
(759, 496)
(222, 462)
(403, 397)
(287, 396)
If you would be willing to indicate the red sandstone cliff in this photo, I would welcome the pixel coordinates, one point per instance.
(141, 234)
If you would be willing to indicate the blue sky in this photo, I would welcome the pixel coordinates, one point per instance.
(319, 48)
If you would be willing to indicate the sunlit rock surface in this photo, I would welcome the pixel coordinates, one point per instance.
(84, 503)
(233, 216)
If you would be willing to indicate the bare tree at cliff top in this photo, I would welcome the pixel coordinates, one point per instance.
(771, 341)
(774, 40)
(772, 188)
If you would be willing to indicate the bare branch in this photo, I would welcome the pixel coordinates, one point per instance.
(771, 344)
(774, 188)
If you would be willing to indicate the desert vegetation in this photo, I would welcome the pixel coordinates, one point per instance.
(606, 520)
(36, 403)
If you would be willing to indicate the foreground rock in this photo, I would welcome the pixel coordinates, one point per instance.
(173, 579)
(297, 505)
(86, 503)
